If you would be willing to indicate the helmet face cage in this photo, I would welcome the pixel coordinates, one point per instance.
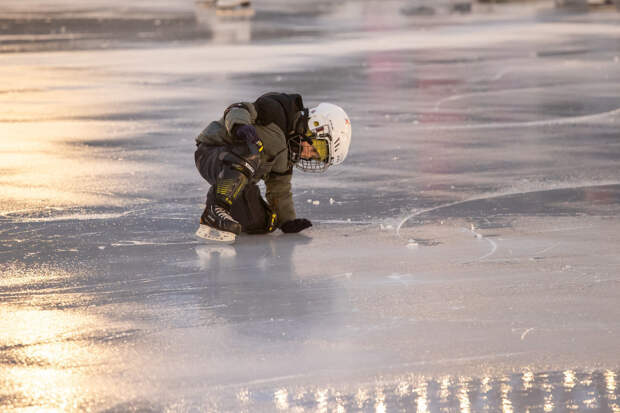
(321, 133)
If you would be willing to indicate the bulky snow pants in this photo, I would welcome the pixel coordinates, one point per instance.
(249, 209)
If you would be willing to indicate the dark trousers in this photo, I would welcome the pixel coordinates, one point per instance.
(249, 209)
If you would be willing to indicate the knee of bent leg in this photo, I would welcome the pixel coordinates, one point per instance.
(246, 165)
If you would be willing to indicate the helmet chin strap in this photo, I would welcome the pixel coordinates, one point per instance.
(302, 133)
(301, 124)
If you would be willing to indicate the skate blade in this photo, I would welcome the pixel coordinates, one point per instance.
(212, 234)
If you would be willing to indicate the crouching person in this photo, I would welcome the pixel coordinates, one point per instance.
(264, 140)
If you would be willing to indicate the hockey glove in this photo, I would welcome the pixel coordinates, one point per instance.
(247, 134)
(295, 225)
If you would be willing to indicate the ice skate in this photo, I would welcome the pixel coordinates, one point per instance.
(216, 224)
(234, 8)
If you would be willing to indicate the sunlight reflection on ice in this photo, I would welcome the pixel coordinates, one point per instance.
(520, 392)
(44, 361)
(57, 359)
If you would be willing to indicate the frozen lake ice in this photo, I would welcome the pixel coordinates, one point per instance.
(464, 258)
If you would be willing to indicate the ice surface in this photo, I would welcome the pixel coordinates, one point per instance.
(467, 259)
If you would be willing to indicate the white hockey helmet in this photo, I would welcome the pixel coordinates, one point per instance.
(329, 132)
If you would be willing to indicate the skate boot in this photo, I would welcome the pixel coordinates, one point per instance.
(216, 224)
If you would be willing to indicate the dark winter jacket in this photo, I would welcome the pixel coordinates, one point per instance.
(275, 116)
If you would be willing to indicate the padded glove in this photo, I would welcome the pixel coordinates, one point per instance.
(295, 225)
(247, 134)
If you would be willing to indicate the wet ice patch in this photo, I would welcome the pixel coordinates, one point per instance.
(50, 215)
(389, 224)
(403, 278)
(131, 243)
(71, 217)
(16, 274)
(397, 276)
